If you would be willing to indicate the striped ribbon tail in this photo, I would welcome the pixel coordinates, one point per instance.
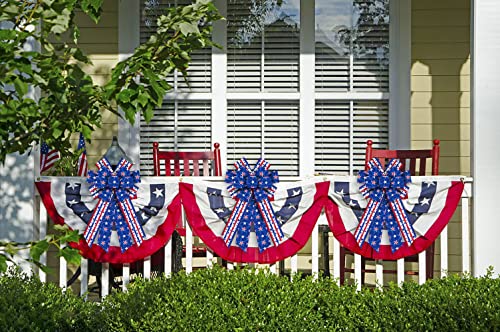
(232, 225)
(366, 221)
(133, 224)
(95, 222)
(406, 228)
(273, 227)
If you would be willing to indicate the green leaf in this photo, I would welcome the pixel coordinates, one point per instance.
(71, 255)
(187, 28)
(20, 86)
(3, 263)
(143, 99)
(38, 248)
(148, 113)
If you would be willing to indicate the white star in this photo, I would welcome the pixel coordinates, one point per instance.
(219, 210)
(158, 192)
(154, 209)
(415, 214)
(279, 218)
(73, 185)
(296, 193)
(292, 206)
(72, 202)
(341, 193)
(424, 201)
(144, 216)
(352, 203)
(429, 183)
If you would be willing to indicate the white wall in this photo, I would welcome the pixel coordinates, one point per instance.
(486, 135)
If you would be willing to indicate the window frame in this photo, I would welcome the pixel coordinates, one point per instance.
(399, 80)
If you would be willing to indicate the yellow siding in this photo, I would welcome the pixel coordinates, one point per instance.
(100, 43)
(440, 93)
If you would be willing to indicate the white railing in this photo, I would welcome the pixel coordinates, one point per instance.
(293, 262)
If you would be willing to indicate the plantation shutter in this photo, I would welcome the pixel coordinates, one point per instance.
(263, 48)
(176, 126)
(180, 125)
(351, 46)
(269, 129)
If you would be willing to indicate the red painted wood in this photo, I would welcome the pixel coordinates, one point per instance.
(406, 157)
(168, 163)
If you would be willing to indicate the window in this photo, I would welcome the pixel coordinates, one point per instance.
(253, 105)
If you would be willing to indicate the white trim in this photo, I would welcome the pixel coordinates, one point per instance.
(263, 96)
(219, 84)
(399, 74)
(128, 39)
(307, 86)
(485, 153)
(352, 96)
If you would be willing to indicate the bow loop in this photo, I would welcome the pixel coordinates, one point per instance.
(384, 189)
(114, 189)
(252, 188)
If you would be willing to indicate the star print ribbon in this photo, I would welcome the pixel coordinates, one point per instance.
(385, 189)
(252, 189)
(114, 189)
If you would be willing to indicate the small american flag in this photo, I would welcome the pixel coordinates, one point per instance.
(48, 157)
(82, 159)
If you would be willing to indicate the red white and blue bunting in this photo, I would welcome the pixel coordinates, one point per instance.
(297, 207)
(157, 209)
(384, 190)
(114, 190)
(252, 188)
(428, 205)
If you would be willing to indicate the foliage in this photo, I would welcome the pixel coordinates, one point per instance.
(63, 235)
(139, 82)
(46, 96)
(251, 300)
(247, 300)
(30, 305)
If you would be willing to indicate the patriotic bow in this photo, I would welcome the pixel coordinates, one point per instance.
(385, 189)
(114, 189)
(252, 189)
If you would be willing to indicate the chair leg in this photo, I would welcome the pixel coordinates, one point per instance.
(342, 265)
(429, 262)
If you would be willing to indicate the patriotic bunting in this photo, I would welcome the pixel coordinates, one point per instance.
(252, 188)
(209, 206)
(157, 208)
(114, 189)
(429, 204)
(384, 190)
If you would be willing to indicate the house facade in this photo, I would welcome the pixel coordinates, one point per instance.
(305, 83)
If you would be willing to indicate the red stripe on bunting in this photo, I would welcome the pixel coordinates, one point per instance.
(114, 254)
(271, 255)
(347, 239)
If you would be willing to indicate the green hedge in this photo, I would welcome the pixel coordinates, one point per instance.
(246, 300)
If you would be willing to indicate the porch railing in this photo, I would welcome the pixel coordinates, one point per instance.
(316, 256)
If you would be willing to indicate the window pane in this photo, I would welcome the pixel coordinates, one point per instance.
(176, 126)
(340, 127)
(352, 45)
(263, 45)
(200, 67)
(270, 128)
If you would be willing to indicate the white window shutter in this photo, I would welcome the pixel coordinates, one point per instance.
(264, 129)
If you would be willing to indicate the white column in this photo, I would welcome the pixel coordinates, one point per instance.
(307, 104)
(219, 84)
(128, 39)
(399, 74)
(485, 134)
